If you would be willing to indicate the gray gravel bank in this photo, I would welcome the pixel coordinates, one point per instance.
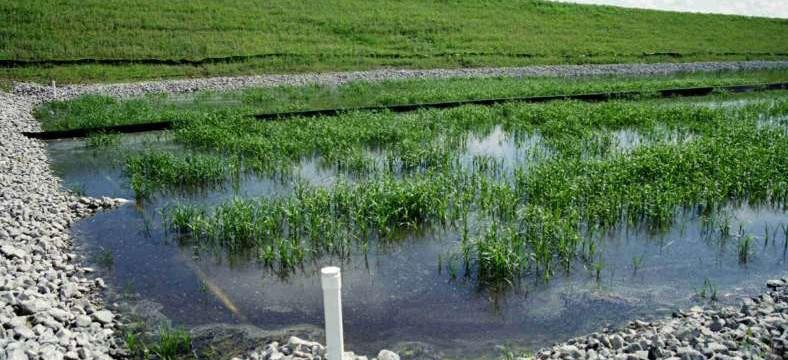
(756, 330)
(47, 304)
(239, 82)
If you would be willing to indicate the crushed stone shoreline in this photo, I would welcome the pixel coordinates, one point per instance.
(756, 330)
(50, 304)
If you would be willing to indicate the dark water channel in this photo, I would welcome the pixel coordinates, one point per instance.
(396, 292)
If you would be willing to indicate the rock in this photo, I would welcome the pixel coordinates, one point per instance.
(24, 331)
(616, 342)
(687, 353)
(570, 351)
(714, 348)
(17, 354)
(775, 284)
(632, 348)
(717, 325)
(687, 333)
(387, 355)
(103, 316)
(33, 306)
(12, 252)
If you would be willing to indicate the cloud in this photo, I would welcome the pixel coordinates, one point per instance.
(768, 8)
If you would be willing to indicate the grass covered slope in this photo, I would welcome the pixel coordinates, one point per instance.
(288, 36)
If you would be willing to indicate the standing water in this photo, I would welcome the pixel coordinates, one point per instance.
(397, 291)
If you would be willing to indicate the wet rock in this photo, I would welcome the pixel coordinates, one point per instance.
(616, 342)
(387, 355)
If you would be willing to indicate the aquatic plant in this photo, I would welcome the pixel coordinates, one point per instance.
(708, 291)
(171, 343)
(744, 248)
(102, 140)
(531, 216)
(104, 258)
(152, 170)
(637, 263)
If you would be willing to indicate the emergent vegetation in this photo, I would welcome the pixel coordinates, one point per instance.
(578, 170)
(95, 111)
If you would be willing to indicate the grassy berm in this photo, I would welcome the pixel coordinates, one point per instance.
(246, 36)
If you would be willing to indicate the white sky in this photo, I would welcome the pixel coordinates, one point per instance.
(768, 8)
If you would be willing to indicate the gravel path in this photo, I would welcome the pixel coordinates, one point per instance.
(231, 83)
(49, 306)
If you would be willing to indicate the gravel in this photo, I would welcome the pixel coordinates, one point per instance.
(298, 349)
(756, 330)
(50, 307)
(337, 78)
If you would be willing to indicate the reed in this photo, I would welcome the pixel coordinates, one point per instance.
(576, 169)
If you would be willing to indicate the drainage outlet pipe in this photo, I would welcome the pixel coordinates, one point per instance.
(331, 281)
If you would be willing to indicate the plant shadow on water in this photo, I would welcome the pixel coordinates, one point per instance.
(412, 286)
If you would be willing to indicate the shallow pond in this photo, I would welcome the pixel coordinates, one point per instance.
(396, 291)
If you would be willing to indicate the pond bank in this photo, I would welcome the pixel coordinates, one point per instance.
(756, 330)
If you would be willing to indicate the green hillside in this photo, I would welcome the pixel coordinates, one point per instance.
(293, 36)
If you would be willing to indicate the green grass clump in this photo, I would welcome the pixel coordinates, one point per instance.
(295, 36)
(102, 140)
(153, 170)
(169, 343)
(745, 248)
(283, 232)
(93, 110)
(172, 343)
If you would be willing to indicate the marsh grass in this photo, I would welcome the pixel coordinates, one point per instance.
(172, 342)
(166, 343)
(153, 170)
(528, 221)
(102, 140)
(94, 110)
(709, 290)
(579, 169)
(745, 248)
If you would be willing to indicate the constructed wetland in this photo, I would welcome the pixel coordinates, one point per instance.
(467, 231)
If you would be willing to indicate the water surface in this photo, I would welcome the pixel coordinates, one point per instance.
(396, 291)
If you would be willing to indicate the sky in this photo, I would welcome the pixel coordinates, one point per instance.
(768, 8)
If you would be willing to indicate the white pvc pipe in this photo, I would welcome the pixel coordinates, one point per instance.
(54, 89)
(331, 279)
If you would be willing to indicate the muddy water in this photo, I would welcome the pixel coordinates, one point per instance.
(396, 291)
